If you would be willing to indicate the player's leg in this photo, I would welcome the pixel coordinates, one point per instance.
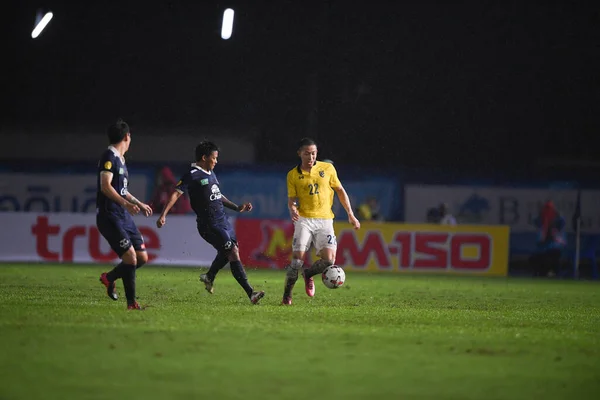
(111, 233)
(327, 258)
(141, 255)
(122, 245)
(239, 273)
(128, 271)
(137, 241)
(218, 263)
(142, 258)
(326, 246)
(118, 238)
(221, 259)
(309, 283)
(300, 245)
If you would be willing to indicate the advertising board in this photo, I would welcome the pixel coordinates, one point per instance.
(474, 250)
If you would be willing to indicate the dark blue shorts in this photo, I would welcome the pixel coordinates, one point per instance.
(222, 238)
(120, 232)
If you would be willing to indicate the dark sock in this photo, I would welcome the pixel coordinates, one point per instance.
(115, 273)
(291, 276)
(140, 265)
(218, 263)
(128, 275)
(317, 268)
(238, 272)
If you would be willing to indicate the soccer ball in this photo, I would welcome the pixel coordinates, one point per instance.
(333, 277)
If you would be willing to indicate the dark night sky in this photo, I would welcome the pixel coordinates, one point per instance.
(415, 83)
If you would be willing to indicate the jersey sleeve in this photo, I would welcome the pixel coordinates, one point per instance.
(291, 188)
(334, 181)
(182, 185)
(107, 163)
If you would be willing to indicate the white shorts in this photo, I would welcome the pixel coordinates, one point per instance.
(316, 231)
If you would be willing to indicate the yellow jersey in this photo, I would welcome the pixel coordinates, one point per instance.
(314, 189)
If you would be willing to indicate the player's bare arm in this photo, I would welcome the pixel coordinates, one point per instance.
(162, 219)
(143, 206)
(111, 193)
(293, 207)
(345, 201)
(232, 206)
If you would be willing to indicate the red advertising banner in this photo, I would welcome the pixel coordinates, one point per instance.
(473, 250)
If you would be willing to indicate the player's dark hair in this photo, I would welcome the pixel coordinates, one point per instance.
(205, 149)
(306, 142)
(117, 131)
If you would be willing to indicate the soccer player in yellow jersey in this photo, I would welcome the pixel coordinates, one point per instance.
(311, 185)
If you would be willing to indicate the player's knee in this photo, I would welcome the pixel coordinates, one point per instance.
(296, 264)
(142, 258)
(130, 257)
(233, 254)
(327, 256)
(328, 260)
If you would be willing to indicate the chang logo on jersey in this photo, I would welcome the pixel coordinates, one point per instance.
(216, 193)
(124, 189)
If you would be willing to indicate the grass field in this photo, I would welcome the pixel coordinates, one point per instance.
(378, 337)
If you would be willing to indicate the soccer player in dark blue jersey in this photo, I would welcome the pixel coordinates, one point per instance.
(207, 201)
(114, 209)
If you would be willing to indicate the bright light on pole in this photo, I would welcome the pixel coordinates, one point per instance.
(227, 27)
(41, 24)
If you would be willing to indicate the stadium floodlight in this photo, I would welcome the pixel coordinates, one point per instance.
(40, 23)
(227, 26)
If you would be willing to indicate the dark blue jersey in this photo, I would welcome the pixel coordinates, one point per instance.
(205, 196)
(112, 162)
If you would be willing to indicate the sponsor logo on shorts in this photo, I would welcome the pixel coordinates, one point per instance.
(124, 243)
(228, 245)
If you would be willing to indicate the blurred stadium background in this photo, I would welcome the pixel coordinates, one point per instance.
(489, 108)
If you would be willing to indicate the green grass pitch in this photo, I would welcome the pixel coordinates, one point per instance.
(380, 336)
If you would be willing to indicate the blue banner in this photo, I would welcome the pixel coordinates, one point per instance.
(267, 191)
(52, 191)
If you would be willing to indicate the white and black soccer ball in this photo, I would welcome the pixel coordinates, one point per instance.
(333, 277)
